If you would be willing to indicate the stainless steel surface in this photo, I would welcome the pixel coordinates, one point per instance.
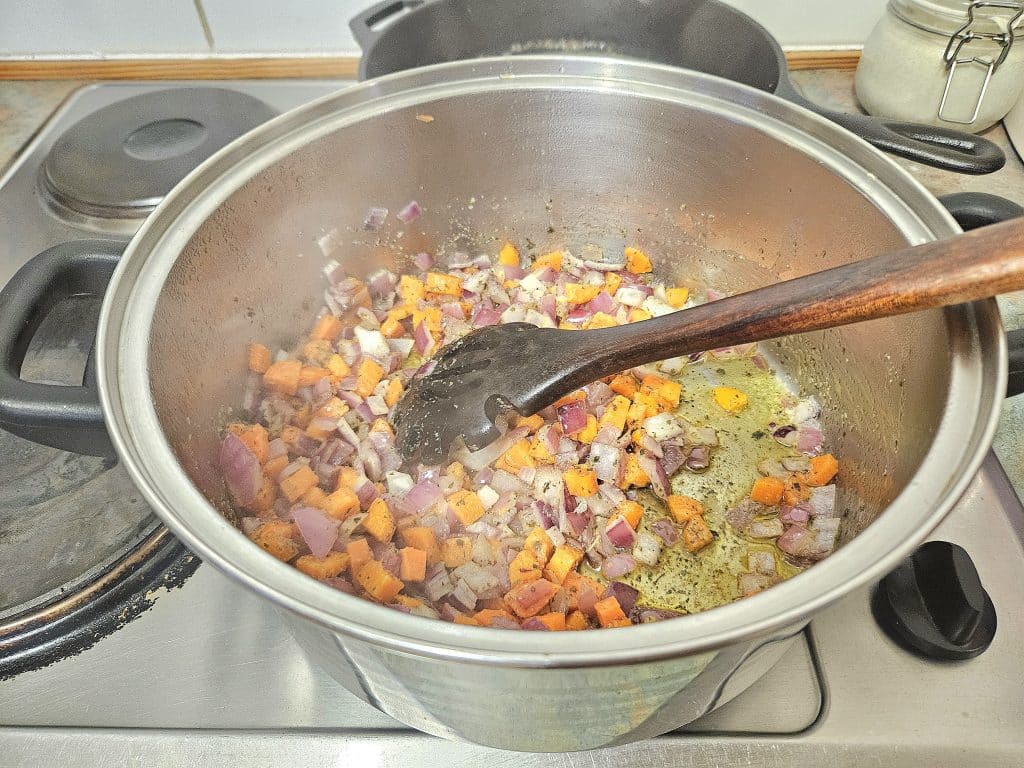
(781, 192)
(120, 161)
(211, 676)
(53, 503)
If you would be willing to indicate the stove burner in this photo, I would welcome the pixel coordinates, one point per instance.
(120, 161)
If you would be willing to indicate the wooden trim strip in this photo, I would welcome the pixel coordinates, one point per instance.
(245, 68)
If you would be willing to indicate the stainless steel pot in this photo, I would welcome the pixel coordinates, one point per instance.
(719, 181)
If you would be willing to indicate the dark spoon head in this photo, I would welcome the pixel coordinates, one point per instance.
(461, 397)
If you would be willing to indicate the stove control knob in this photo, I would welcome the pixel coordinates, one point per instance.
(935, 606)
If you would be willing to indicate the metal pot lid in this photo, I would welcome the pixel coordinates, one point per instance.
(78, 543)
(120, 161)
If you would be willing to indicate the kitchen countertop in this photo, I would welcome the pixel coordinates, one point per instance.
(24, 105)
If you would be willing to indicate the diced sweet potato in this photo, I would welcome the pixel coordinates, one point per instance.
(424, 539)
(539, 544)
(553, 621)
(683, 507)
(823, 469)
(283, 376)
(378, 582)
(359, 554)
(632, 511)
(379, 521)
(565, 559)
(414, 564)
(524, 568)
(467, 506)
(324, 567)
(298, 482)
(517, 457)
(696, 534)
(580, 481)
(609, 613)
(327, 328)
(488, 615)
(456, 551)
(530, 598)
(767, 490)
(637, 261)
(368, 376)
(259, 358)
(341, 504)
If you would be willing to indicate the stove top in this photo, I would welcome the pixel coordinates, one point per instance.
(208, 673)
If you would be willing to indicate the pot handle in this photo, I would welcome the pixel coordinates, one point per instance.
(65, 417)
(978, 209)
(363, 25)
(931, 145)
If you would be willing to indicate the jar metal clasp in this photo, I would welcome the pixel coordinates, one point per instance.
(966, 35)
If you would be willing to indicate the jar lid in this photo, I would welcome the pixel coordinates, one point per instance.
(948, 16)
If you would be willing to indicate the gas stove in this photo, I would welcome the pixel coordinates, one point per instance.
(130, 651)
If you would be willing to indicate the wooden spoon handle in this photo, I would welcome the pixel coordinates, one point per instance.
(977, 265)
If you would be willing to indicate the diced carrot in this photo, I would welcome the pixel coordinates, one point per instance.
(573, 397)
(508, 255)
(368, 376)
(359, 554)
(259, 358)
(392, 328)
(634, 475)
(581, 293)
(530, 598)
(580, 481)
(341, 504)
(612, 281)
(729, 399)
(565, 559)
(348, 477)
(632, 511)
(576, 621)
(408, 602)
(551, 260)
(276, 539)
(467, 506)
(767, 490)
(553, 621)
(332, 409)
(411, 289)
(337, 366)
(487, 615)
(469, 621)
(624, 384)
(298, 482)
(379, 521)
(265, 497)
(327, 327)
(696, 534)
(314, 497)
(255, 438)
(616, 413)
(677, 297)
(823, 469)
(378, 582)
(456, 551)
(589, 432)
(311, 374)
(600, 320)
(413, 565)
(524, 567)
(393, 393)
(539, 544)
(324, 567)
(533, 423)
(446, 285)
(424, 539)
(609, 613)
(683, 507)
(283, 376)
(274, 466)
(517, 457)
(637, 261)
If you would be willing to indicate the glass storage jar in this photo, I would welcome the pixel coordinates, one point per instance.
(951, 63)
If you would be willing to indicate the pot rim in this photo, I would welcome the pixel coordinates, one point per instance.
(961, 439)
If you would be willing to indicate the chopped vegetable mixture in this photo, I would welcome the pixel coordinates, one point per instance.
(653, 493)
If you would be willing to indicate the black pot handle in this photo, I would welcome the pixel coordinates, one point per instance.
(978, 209)
(364, 25)
(65, 417)
(938, 147)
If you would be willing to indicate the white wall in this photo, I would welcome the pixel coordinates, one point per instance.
(98, 28)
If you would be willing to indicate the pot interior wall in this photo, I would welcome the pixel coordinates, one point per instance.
(714, 202)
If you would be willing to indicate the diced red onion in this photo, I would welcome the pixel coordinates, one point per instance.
(477, 460)
(699, 459)
(798, 514)
(606, 460)
(647, 549)
(381, 283)
(651, 615)
(618, 565)
(620, 533)
(761, 562)
(342, 585)
(573, 416)
(823, 501)
(424, 340)
(809, 440)
(765, 529)
(366, 492)
(374, 219)
(797, 540)
(514, 273)
(752, 583)
(666, 530)
(625, 594)
(423, 495)
(410, 212)
(423, 260)
(484, 317)
(602, 303)
(318, 530)
(241, 469)
(536, 624)
(654, 470)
